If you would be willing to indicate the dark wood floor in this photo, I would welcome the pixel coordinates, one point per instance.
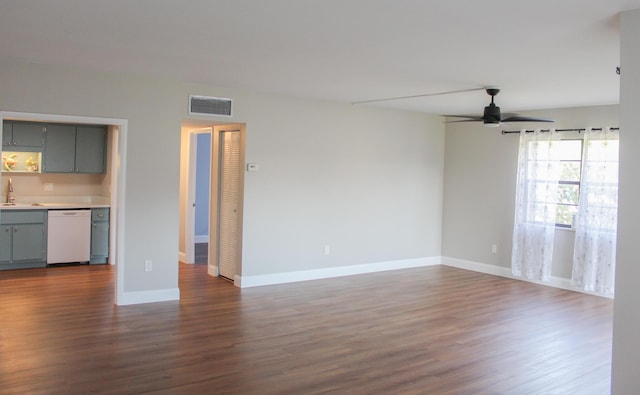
(434, 330)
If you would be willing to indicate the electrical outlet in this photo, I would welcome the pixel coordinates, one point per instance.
(327, 249)
(494, 248)
(48, 186)
(148, 265)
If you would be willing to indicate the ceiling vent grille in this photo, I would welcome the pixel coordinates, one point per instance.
(204, 105)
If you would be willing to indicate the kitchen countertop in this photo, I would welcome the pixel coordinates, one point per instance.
(51, 206)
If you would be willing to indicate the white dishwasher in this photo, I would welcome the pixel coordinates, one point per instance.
(68, 236)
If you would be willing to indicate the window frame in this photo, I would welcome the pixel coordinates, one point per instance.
(568, 182)
(577, 183)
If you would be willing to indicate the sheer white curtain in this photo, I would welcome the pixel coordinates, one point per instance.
(536, 195)
(596, 223)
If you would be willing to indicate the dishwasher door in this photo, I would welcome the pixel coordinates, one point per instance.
(68, 236)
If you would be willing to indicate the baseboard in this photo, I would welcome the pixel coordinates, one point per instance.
(201, 239)
(212, 270)
(556, 282)
(339, 271)
(138, 297)
(478, 267)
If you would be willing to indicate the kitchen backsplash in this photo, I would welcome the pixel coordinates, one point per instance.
(27, 185)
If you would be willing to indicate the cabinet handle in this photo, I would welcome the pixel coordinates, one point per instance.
(6, 229)
(15, 230)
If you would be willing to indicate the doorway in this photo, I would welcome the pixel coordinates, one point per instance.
(117, 147)
(225, 199)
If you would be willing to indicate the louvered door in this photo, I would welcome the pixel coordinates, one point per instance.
(229, 191)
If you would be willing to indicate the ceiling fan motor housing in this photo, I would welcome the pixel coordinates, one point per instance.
(491, 114)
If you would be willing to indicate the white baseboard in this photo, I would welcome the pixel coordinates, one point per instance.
(201, 239)
(556, 282)
(138, 297)
(478, 267)
(339, 271)
(212, 270)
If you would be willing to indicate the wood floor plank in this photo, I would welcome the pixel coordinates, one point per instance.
(433, 330)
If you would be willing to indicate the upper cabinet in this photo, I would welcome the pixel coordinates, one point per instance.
(91, 149)
(75, 149)
(22, 136)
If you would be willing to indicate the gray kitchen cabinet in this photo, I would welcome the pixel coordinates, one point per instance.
(75, 149)
(22, 136)
(99, 236)
(22, 239)
(7, 135)
(59, 149)
(6, 240)
(91, 149)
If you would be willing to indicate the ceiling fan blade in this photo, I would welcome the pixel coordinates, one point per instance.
(466, 120)
(517, 118)
(465, 116)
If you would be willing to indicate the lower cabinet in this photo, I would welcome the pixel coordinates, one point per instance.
(23, 239)
(99, 236)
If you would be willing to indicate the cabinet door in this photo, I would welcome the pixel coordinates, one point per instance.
(7, 128)
(28, 242)
(27, 135)
(100, 238)
(5, 243)
(60, 149)
(90, 149)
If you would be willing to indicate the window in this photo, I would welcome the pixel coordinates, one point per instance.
(559, 160)
(567, 183)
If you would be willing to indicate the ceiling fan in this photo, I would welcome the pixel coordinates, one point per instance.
(492, 116)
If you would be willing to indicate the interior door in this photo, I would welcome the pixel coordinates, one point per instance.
(229, 198)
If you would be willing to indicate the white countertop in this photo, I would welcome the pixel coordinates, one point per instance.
(56, 202)
(50, 206)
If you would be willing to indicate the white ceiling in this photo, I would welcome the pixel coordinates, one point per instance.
(542, 53)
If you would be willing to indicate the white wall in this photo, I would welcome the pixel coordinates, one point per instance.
(366, 181)
(154, 109)
(626, 321)
(479, 191)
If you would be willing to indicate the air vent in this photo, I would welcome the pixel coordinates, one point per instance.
(204, 105)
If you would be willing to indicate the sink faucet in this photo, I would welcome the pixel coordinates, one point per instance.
(10, 196)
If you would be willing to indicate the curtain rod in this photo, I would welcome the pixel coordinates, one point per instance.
(580, 130)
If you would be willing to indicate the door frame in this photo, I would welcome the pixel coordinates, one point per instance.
(214, 206)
